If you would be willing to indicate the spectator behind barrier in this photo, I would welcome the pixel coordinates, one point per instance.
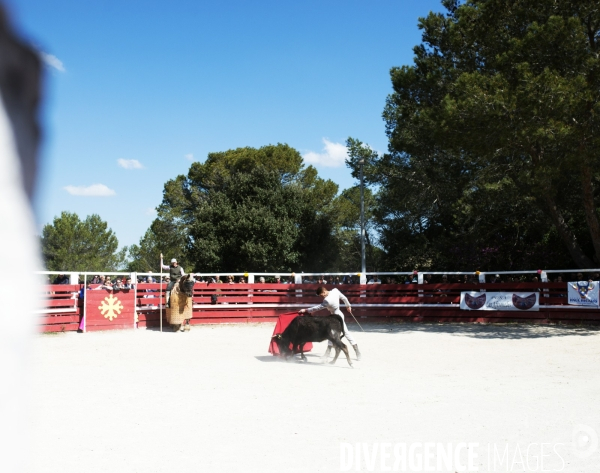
(61, 279)
(82, 292)
(105, 285)
(128, 284)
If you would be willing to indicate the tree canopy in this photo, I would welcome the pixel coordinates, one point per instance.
(70, 244)
(249, 209)
(494, 139)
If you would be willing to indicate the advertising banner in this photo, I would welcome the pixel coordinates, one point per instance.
(583, 293)
(518, 301)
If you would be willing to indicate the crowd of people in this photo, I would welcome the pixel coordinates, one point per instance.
(121, 283)
(124, 283)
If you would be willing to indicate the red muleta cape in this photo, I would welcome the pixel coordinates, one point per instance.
(282, 323)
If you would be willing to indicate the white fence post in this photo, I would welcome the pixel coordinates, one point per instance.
(84, 304)
(250, 291)
(544, 278)
(362, 281)
(133, 277)
(298, 280)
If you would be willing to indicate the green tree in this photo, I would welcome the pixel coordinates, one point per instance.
(249, 209)
(347, 231)
(145, 257)
(494, 135)
(361, 154)
(70, 244)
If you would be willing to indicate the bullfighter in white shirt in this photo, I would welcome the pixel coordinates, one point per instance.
(331, 302)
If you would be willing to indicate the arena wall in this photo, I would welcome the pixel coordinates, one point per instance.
(63, 310)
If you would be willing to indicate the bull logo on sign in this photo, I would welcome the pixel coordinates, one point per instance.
(583, 288)
(524, 303)
(475, 302)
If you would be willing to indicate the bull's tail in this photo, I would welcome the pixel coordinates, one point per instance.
(342, 333)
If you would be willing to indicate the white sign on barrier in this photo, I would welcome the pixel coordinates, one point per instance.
(518, 301)
(583, 293)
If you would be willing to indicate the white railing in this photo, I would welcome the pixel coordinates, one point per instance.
(76, 276)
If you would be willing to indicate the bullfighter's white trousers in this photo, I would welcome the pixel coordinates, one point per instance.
(346, 331)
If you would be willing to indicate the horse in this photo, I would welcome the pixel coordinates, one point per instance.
(179, 311)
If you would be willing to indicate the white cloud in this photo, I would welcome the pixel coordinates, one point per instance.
(189, 157)
(95, 190)
(130, 164)
(333, 156)
(53, 61)
(151, 211)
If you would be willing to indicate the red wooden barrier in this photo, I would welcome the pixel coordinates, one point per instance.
(149, 298)
(61, 311)
(109, 310)
(243, 303)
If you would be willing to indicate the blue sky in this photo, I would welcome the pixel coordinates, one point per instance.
(159, 84)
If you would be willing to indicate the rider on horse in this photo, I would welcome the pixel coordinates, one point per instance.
(180, 291)
(175, 272)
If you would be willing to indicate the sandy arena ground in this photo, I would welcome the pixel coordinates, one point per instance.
(214, 400)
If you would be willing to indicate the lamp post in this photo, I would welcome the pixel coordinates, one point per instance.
(363, 263)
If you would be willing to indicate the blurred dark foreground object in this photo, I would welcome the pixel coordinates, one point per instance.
(20, 77)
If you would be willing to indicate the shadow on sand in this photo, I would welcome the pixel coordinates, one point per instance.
(484, 331)
(313, 360)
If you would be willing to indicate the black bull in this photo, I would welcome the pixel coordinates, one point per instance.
(305, 329)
